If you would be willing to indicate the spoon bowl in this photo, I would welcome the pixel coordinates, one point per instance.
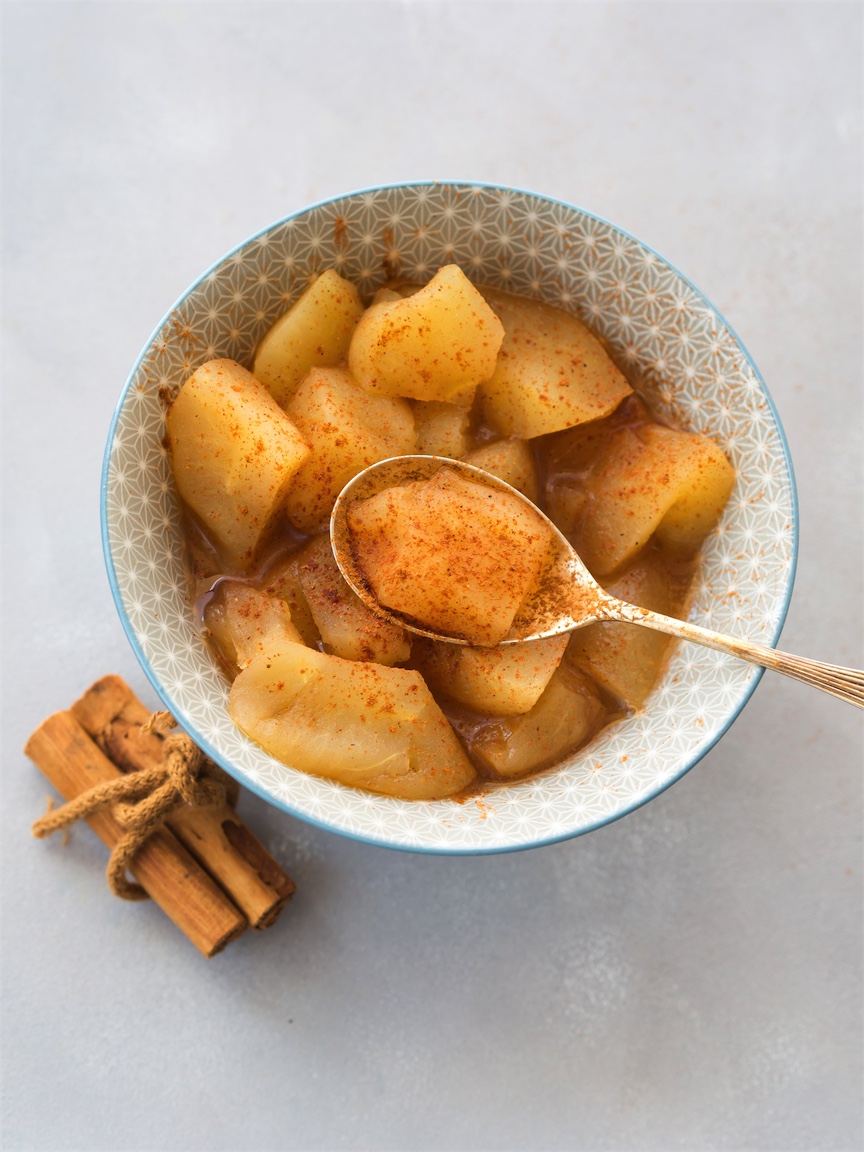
(566, 596)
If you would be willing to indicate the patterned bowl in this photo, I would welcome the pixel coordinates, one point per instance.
(697, 373)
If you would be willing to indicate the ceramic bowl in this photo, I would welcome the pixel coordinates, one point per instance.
(696, 372)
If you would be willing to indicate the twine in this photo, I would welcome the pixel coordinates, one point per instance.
(144, 799)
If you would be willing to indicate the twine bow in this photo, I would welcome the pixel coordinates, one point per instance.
(143, 800)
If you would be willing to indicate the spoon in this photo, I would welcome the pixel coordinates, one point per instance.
(567, 596)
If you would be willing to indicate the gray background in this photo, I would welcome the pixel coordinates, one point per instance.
(686, 978)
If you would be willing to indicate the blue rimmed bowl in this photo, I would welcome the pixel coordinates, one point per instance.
(695, 372)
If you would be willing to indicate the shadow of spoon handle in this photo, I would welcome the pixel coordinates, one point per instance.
(844, 683)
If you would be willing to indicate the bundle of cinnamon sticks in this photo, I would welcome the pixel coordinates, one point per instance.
(203, 867)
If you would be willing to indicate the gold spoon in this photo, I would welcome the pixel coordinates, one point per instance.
(567, 596)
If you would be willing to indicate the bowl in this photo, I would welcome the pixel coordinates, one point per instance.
(695, 371)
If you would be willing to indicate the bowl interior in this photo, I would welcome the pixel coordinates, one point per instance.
(695, 372)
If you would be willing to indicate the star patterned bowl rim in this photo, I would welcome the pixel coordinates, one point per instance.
(382, 841)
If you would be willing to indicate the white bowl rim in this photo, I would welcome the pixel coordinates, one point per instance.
(253, 786)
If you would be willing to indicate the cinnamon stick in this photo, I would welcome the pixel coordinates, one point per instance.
(112, 715)
(73, 763)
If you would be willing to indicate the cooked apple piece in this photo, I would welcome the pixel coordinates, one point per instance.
(707, 479)
(234, 453)
(624, 658)
(282, 582)
(437, 344)
(314, 333)
(442, 429)
(364, 725)
(503, 681)
(552, 371)
(455, 556)
(643, 477)
(384, 295)
(565, 503)
(573, 451)
(511, 461)
(567, 714)
(348, 430)
(348, 628)
(569, 456)
(245, 623)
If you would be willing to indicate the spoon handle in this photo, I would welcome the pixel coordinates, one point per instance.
(845, 683)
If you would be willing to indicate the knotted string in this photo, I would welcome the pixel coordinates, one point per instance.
(143, 800)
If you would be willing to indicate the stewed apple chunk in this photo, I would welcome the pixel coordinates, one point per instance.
(574, 451)
(348, 430)
(566, 499)
(570, 455)
(385, 294)
(282, 582)
(244, 623)
(707, 479)
(511, 461)
(552, 371)
(437, 344)
(234, 453)
(347, 626)
(652, 479)
(624, 658)
(364, 725)
(442, 429)
(314, 333)
(502, 681)
(456, 557)
(567, 714)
